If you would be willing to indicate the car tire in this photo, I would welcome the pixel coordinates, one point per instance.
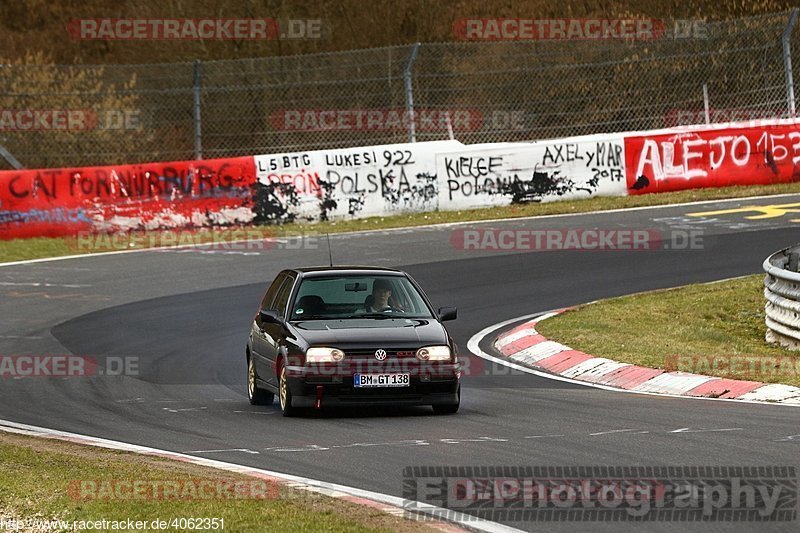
(256, 395)
(285, 395)
(448, 408)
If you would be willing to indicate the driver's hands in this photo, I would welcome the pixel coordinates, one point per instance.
(395, 306)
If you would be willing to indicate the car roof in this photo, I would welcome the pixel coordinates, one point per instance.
(326, 270)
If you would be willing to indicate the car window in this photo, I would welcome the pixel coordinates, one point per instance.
(282, 298)
(352, 297)
(334, 290)
(269, 297)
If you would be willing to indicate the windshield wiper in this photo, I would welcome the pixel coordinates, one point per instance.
(378, 315)
(311, 317)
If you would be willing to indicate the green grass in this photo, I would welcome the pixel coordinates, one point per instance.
(35, 476)
(654, 329)
(35, 248)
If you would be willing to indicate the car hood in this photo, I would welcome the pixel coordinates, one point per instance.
(392, 332)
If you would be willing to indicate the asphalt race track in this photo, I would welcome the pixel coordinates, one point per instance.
(183, 317)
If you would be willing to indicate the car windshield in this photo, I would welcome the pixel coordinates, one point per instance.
(347, 297)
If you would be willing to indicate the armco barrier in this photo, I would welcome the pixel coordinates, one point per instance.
(782, 291)
(390, 179)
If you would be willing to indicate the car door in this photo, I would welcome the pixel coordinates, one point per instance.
(258, 342)
(270, 335)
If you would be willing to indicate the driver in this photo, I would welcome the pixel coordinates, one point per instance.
(381, 292)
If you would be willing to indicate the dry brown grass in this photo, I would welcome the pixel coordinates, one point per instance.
(35, 474)
(40, 25)
(699, 328)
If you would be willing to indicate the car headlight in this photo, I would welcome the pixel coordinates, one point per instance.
(434, 353)
(324, 355)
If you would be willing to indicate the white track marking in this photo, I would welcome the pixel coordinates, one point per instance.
(328, 447)
(689, 430)
(243, 450)
(302, 448)
(609, 432)
(40, 284)
(417, 442)
(206, 252)
(479, 439)
(170, 410)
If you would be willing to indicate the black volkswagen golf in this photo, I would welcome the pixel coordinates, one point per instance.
(344, 336)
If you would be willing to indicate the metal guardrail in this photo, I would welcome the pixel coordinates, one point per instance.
(782, 291)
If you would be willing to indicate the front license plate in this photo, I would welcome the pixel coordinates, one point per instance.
(381, 380)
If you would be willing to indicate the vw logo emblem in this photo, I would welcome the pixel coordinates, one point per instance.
(380, 355)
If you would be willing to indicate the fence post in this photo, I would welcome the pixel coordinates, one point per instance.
(412, 132)
(198, 132)
(787, 61)
(705, 103)
(8, 156)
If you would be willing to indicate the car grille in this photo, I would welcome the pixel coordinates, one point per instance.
(391, 353)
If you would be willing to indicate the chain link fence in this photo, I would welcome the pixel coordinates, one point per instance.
(54, 116)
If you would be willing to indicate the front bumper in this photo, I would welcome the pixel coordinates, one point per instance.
(434, 386)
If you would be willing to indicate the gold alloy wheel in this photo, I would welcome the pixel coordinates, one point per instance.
(284, 389)
(251, 378)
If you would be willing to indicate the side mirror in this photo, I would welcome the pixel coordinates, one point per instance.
(447, 313)
(270, 316)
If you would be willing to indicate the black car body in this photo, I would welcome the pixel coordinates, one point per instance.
(319, 339)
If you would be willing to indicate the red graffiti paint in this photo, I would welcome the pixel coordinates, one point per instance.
(714, 157)
(65, 201)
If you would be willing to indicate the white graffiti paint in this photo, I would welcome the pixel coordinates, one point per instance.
(445, 175)
(542, 171)
(350, 182)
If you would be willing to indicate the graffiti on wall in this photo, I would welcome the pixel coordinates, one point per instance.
(531, 173)
(351, 182)
(384, 180)
(758, 155)
(125, 197)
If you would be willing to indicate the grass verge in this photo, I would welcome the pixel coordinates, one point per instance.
(36, 248)
(40, 480)
(713, 329)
